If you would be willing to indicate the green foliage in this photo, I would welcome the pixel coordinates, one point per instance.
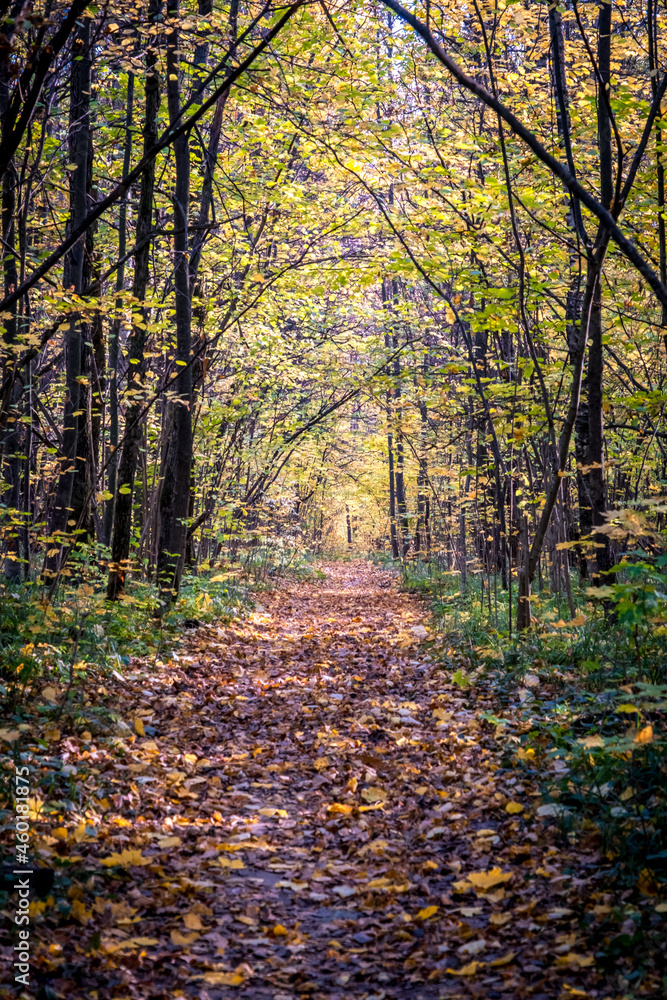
(591, 697)
(72, 642)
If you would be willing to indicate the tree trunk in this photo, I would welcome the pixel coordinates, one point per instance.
(177, 465)
(71, 497)
(114, 334)
(122, 523)
(596, 456)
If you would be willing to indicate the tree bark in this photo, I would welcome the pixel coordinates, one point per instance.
(174, 496)
(122, 523)
(114, 334)
(70, 497)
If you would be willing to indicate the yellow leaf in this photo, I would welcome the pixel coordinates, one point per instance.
(486, 880)
(233, 863)
(183, 939)
(574, 959)
(192, 922)
(500, 919)
(126, 858)
(279, 931)
(80, 913)
(627, 708)
(131, 943)
(645, 735)
(467, 970)
(377, 846)
(339, 807)
(591, 741)
(223, 978)
(513, 808)
(270, 811)
(139, 727)
(647, 883)
(428, 911)
(379, 883)
(169, 842)
(505, 960)
(321, 763)
(49, 693)
(9, 735)
(60, 832)
(374, 795)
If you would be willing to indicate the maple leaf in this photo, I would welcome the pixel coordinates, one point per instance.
(482, 881)
(126, 858)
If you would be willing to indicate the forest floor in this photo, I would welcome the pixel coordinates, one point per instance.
(309, 807)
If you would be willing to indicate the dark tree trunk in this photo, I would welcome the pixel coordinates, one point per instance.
(114, 334)
(596, 451)
(71, 497)
(122, 523)
(177, 463)
(10, 426)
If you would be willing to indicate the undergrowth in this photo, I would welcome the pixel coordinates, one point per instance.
(57, 649)
(587, 695)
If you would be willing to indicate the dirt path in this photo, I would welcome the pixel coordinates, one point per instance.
(316, 812)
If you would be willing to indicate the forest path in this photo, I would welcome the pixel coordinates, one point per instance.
(307, 816)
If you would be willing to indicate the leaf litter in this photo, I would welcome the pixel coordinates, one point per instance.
(318, 811)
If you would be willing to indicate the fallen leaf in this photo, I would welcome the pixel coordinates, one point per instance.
(169, 842)
(223, 978)
(344, 890)
(505, 960)
(472, 947)
(182, 940)
(467, 970)
(589, 742)
(374, 795)
(574, 960)
(487, 880)
(126, 858)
